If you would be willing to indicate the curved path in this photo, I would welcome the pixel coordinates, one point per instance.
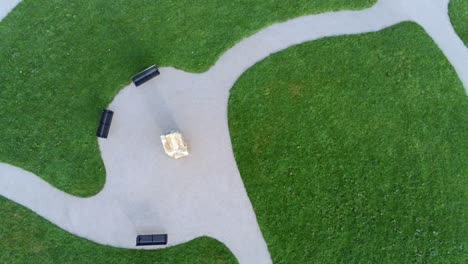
(203, 194)
(6, 6)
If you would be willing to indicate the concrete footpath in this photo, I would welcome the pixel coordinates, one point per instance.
(6, 6)
(203, 194)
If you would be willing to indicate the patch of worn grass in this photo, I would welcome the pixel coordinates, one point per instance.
(353, 150)
(458, 10)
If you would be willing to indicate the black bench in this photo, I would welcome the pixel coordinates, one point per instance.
(145, 75)
(151, 240)
(105, 123)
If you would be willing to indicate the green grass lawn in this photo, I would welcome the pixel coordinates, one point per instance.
(459, 15)
(28, 238)
(61, 62)
(353, 150)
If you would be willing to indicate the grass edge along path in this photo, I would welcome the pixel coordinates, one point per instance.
(352, 149)
(458, 11)
(28, 238)
(63, 62)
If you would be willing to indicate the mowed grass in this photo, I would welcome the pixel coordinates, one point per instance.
(31, 239)
(62, 62)
(353, 150)
(459, 16)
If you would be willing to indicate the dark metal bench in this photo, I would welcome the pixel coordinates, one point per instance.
(145, 75)
(151, 240)
(105, 123)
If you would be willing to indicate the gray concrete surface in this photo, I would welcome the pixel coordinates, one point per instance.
(6, 6)
(203, 194)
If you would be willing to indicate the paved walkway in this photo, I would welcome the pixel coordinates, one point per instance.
(203, 194)
(6, 6)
